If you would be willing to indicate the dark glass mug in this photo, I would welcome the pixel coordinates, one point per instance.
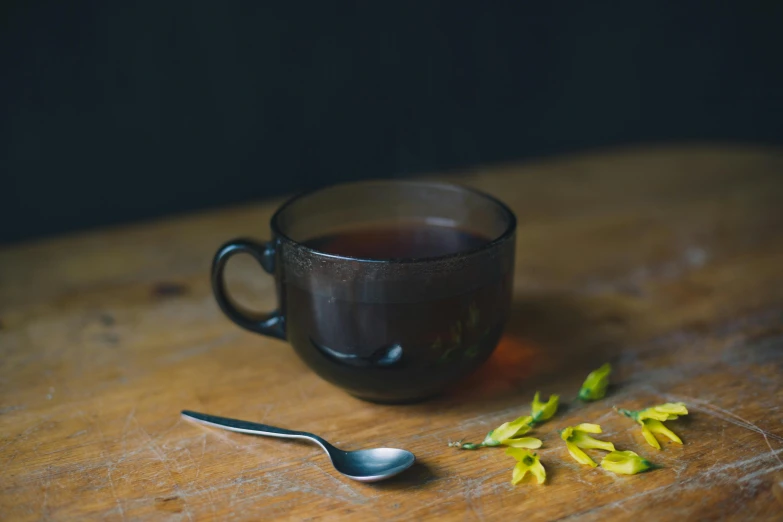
(392, 329)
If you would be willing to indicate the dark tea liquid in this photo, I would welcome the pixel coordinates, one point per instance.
(405, 241)
(377, 340)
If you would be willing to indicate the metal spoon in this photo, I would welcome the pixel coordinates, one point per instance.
(370, 465)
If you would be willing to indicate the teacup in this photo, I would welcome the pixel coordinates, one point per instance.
(391, 290)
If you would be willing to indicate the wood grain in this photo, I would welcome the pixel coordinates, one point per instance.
(667, 262)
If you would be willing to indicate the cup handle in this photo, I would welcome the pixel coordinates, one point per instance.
(271, 324)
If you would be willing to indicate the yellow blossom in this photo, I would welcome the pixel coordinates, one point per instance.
(526, 462)
(509, 434)
(576, 438)
(542, 411)
(625, 463)
(651, 421)
(523, 442)
(595, 385)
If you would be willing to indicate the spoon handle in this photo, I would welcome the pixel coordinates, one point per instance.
(254, 428)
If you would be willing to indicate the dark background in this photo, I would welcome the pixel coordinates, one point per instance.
(118, 111)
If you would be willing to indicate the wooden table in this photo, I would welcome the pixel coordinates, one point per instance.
(667, 262)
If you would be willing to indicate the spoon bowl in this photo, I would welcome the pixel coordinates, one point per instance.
(372, 465)
(369, 465)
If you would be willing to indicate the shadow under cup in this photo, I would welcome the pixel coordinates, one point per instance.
(391, 290)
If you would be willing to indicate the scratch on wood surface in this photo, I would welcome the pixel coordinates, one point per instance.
(114, 490)
(201, 458)
(9, 409)
(209, 490)
(267, 410)
(107, 456)
(140, 449)
(472, 489)
(169, 429)
(761, 472)
(125, 427)
(340, 484)
(697, 480)
(254, 484)
(743, 463)
(23, 436)
(476, 510)
(615, 504)
(238, 482)
(609, 414)
(46, 483)
(716, 411)
(162, 457)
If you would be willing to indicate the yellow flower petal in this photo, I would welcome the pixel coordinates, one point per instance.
(588, 428)
(523, 442)
(538, 471)
(579, 455)
(595, 384)
(585, 441)
(677, 408)
(649, 437)
(511, 429)
(542, 411)
(489, 440)
(520, 470)
(663, 412)
(518, 453)
(652, 413)
(625, 463)
(658, 427)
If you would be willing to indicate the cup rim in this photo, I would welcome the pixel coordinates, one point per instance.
(508, 232)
